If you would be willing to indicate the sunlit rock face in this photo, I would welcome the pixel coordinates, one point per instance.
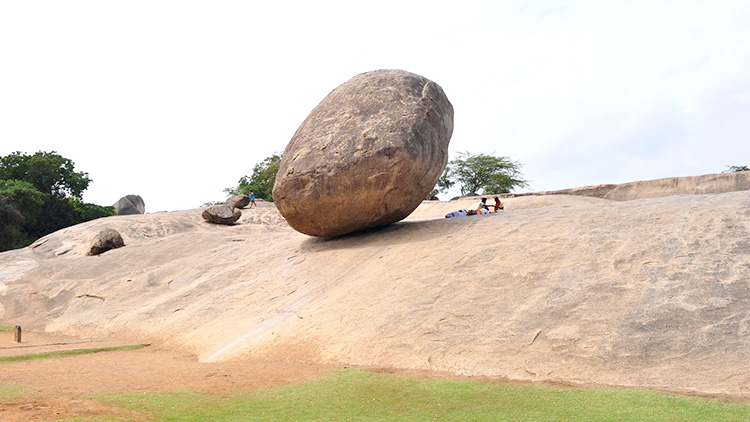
(366, 156)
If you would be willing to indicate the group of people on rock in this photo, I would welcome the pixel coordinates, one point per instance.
(482, 208)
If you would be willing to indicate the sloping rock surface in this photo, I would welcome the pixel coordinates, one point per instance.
(708, 183)
(648, 292)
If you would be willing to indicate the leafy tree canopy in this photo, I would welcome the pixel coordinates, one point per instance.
(21, 205)
(23, 198)
(49, 172)
(40, 194)
(261, 181)
(482, 174)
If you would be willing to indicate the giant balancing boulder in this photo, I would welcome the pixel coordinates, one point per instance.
(366, 156)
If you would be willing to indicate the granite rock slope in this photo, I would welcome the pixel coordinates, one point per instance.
(649, 292)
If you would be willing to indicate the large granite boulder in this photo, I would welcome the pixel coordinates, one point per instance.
(366, 156)
(238, 201)
(130, 204)
(221, 214)
(105, 240)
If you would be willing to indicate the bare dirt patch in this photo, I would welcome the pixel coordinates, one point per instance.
(62, 387)
(55, 408)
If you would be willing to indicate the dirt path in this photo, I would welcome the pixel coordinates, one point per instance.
(61, 388)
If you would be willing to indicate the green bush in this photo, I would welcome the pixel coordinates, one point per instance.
(40, 194)
(261, 181)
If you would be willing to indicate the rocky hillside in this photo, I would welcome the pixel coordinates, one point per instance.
(651, 292)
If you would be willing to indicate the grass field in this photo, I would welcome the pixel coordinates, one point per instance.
(355, 395)
(65, 353)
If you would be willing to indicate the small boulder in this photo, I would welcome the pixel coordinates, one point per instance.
(105, 240)
(221, 214)
(238, 201)
(366, 156)
(129, 205)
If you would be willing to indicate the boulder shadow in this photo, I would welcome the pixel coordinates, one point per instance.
(401, 232)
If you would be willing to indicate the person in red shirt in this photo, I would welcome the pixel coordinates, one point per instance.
(498, 205)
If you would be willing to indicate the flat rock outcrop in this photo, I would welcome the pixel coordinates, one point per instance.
(129, 205)
(366, 156)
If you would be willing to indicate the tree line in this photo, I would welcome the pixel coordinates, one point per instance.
(40, 194)
(474, 174)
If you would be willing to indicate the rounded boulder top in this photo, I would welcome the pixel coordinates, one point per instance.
(129, 205)
(366, 156)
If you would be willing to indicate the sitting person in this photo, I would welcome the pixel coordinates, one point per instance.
(482, 205)
(498, 205)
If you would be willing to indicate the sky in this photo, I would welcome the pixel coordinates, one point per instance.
(177, 100)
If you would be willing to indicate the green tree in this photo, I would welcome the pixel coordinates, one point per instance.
(443, 184)
(87, 212)
(261, 181)
(12, 235)
(732, 169)
(23, 197)
(21, 206)
(49, 172)
(40, 194)
(482, 174)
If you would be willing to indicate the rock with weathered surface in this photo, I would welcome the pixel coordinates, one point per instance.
(238, 201)
(692, 185)
(105, 240)
(221, 214)
(366, 156)
(129, 205)
(650, 293)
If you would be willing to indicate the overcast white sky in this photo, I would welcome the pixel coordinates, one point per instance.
(176, 100)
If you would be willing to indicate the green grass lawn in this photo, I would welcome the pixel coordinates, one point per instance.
(73, 352)
(353, 395)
